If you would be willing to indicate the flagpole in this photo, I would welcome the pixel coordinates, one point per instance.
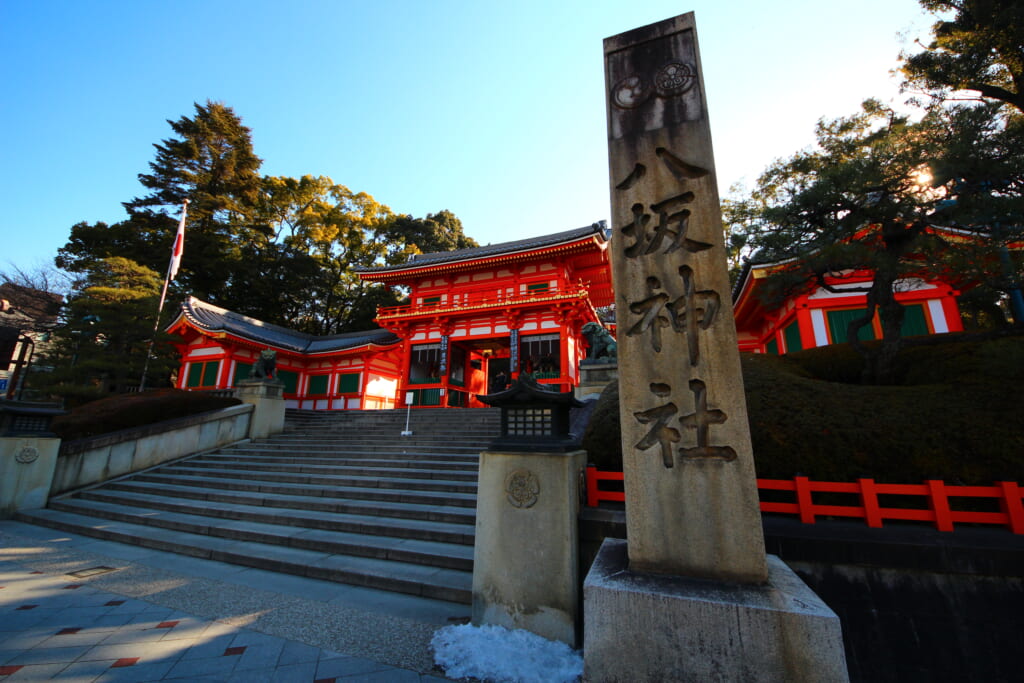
(172, 270)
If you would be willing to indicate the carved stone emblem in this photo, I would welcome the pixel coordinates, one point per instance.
(27, 454)
(672, 80)
(675, 78)
(523, 488)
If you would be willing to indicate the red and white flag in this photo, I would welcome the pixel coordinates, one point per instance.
(179, 244)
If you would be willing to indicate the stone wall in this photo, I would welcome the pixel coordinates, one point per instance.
(94, 460)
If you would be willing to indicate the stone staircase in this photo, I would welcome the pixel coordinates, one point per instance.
(339, 496)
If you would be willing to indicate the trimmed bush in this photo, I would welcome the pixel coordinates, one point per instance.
(125, 411)
(956, 416)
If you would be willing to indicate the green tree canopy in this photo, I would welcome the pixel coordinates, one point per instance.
(979, 49)
(441, 231)
(212, 164)
(101, 345)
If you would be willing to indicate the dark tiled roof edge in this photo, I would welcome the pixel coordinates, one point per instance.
(439, 257)
(215, 319)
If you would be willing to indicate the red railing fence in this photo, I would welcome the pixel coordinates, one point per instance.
(935, 495)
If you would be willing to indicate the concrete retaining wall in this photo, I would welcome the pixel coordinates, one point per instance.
(91, 461)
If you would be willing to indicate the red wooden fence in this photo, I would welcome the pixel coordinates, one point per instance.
(937, 496)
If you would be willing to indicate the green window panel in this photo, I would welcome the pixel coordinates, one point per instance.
(348, 383)
(242, 372)
(427, 397)
(318, 385)
(839, 320)
(203, 374)
(195, 375)
(772, 346)
(914, 321)
(538, 288)
(792, 336)
(431, 300)
(290, 380)
(210, 373)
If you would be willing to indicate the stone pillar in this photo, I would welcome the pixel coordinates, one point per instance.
(28, 455)
(26, 472)
(595, 376)
(526, 553)
(691, 596)
(267, 399)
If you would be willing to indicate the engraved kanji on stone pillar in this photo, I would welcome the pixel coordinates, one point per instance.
(691, 493)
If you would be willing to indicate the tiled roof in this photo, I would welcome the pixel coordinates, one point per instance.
(212, 318)
(441, 257)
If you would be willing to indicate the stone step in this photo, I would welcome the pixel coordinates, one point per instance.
(440, 532)
(358, 469)
(324, 480)
(432, 582)
(401, 504)
(330, 541)
(358, 449)
(395, 462)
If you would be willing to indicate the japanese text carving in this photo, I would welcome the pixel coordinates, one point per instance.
(701, 420)
(660, 433)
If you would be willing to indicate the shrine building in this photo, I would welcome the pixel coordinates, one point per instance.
(474, 319)
(819, 315)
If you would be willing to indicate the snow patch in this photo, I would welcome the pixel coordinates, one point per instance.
(493, 653)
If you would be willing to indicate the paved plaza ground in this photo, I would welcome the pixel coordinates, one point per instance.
(73, 608)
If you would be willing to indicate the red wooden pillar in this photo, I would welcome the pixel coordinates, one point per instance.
(803, 318)
(403, 373)
(951, 310)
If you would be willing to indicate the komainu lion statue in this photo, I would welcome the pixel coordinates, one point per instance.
(602, 345)
(265, 366)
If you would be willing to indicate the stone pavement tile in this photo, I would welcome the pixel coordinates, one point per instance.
(137, 673)
(36, 672)
(426, 678)
(255, 638)
(48, 655)
(340, 667)
(112, 621)
(85, 671)
(205, 648)
(298, 653)
(145, 652)
(134, 635)
(128, 605)
(151, 618)
(187, 627)
(88, 637)
(304, 672)
(194, 669)
(263, 656)
(389, 675)
(16, 642)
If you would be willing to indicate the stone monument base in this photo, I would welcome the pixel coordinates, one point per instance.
(653, 627)
(595, 376)
(525, 557)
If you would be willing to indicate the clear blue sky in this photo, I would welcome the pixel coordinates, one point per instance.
(494, 110)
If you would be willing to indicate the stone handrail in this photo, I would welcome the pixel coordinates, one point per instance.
(95, 459)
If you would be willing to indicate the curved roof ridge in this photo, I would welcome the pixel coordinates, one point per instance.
(599, 228)
(211, 318)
